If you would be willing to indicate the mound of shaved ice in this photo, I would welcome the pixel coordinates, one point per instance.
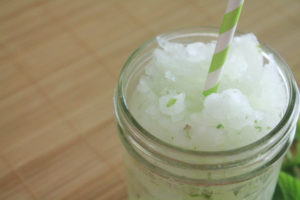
(168, 100)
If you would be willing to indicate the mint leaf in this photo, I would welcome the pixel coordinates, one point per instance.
(289, 186)
(220, 126)
(291, 164)
(259, 128)
(278, 193)
(297, 136)
(297, 157)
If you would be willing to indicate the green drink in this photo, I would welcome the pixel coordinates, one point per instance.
(184, 146)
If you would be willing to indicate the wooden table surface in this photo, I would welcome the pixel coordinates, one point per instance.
(60, 60)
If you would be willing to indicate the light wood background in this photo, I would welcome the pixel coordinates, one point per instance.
(59, 63)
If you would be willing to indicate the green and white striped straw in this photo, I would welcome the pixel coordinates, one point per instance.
(226, 34)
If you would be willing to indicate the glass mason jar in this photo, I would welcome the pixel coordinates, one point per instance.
(157, 170)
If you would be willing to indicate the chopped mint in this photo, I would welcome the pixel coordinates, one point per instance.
(255, 121)
(220, 126)
(236, 192)
(259, 128)
(259, 48)
(268, 128)
(171, 102)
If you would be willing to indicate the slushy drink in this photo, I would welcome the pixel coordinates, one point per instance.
(184, 146)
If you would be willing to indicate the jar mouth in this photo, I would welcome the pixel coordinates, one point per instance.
(288, 117)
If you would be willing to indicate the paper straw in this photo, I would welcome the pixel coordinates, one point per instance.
(226, 34)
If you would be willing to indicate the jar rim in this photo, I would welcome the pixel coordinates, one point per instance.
(286, 119)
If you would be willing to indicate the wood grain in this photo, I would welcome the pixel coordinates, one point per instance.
(60, 61)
